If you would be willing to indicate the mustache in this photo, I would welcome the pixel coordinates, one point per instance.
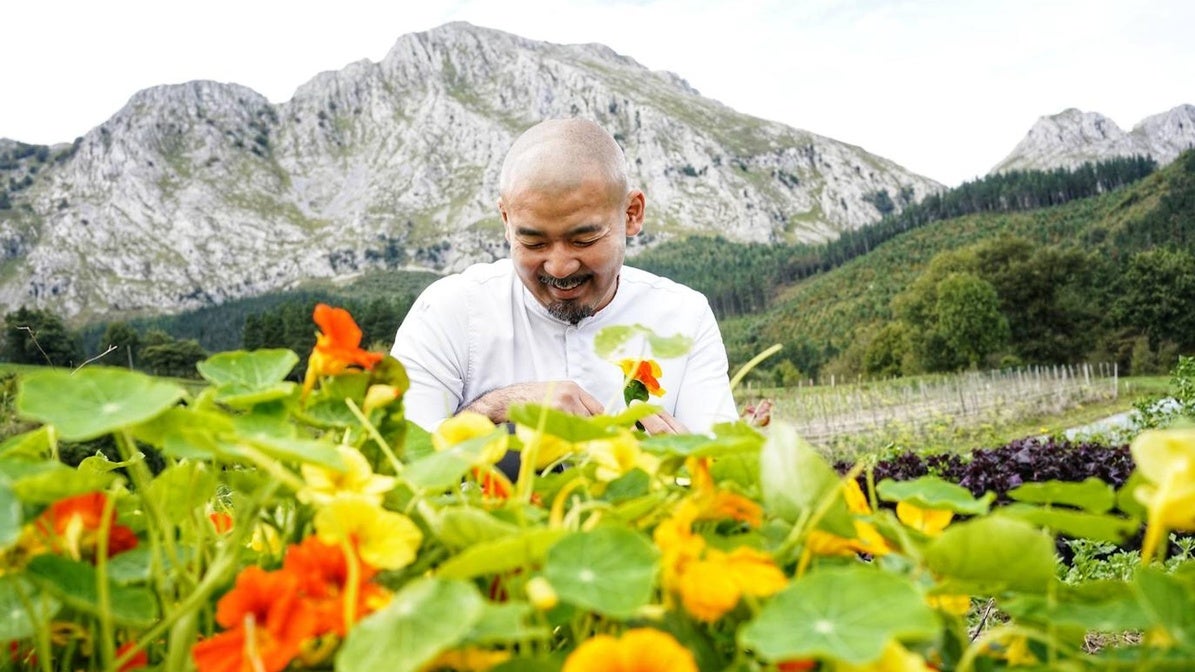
(564, 283)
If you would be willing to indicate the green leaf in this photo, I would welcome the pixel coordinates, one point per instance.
(501, 555)
(610, 570)
(634, 483)
(697, 445)
(445, 469)
(76, 584)
(1169, 602)
(34, 444)
(11, 515)
(17, 594)
(93, 401)
(566, 426)
(1092, 495)
(986, 555)
(931, 492)
(847, 614)
(255, 370)
(135, 565)
(1097, 526)
(48, 482)
(464, 527)
(796, 481)
(183, 488)
(505, 624)
(308, 451)
(244, 379)
(1105, 606)
(424, 619)
(610, 339)
(669, 347)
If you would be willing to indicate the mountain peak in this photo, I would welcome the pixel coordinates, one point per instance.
(1072, 137)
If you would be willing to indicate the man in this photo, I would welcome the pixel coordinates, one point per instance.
(522, 329)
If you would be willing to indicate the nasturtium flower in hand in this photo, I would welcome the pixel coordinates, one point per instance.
(337, 346)
(1166, 459)
(643, 379)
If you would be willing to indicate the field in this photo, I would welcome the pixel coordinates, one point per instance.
(953, 412)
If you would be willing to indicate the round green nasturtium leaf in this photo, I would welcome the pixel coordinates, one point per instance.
(500, 555)
(611, 570)
(931, 492)
(425, 618)
(1092, 495)
(93, 401)
(986, 555)
(76, 584)
(251, 370)
(847, 614)
(17, 593)
(796, 482)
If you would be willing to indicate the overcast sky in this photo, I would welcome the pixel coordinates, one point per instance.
(945, 88)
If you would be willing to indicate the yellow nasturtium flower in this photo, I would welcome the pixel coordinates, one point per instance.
(637, 650)
(383, 539)
(548, 448)
(1166, 459)
(617, 455)
(357, 479)
(929, 521)
(895, 658)
(470, 425)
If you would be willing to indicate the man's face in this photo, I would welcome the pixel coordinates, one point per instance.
(568, 246)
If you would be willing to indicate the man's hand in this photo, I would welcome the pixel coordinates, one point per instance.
(564, 395)
(662, 423)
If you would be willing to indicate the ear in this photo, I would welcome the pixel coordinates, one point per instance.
(636, 206)
(505, 219)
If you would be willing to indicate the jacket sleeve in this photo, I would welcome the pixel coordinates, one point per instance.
(433, 344)
(705, 397)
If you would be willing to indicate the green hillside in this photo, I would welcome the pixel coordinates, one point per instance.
(821, 318)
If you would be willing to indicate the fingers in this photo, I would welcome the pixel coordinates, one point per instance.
(662, 423)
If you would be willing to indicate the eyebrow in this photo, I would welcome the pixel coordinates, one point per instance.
(582, 230)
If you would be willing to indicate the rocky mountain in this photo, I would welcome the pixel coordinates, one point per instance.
(196, 193)
(1071, 138)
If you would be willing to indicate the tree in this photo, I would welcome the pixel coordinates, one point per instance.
(174, 358)
(124, 338)
(37, 336)
(1157, 297)
(969, 317)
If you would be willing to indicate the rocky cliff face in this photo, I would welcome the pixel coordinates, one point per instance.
(1070, 138)
(195, 193)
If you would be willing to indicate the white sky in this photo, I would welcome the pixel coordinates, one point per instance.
(945, 88)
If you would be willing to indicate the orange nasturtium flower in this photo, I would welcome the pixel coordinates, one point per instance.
(712, 586)
(637, 650)
(337, 346)
(266, 623)
(643, 378)
(1166, 459)
(73, 525)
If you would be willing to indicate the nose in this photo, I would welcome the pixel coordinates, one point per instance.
(560, 263)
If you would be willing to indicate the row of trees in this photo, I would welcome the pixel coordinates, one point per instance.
(741, 278)
(40, 337)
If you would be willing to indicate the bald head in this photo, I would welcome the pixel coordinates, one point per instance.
(558, 155)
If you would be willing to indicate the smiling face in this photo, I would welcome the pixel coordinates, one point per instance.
(567, 213)
(568, 245)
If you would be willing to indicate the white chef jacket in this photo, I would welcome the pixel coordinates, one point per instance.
(480, 330)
